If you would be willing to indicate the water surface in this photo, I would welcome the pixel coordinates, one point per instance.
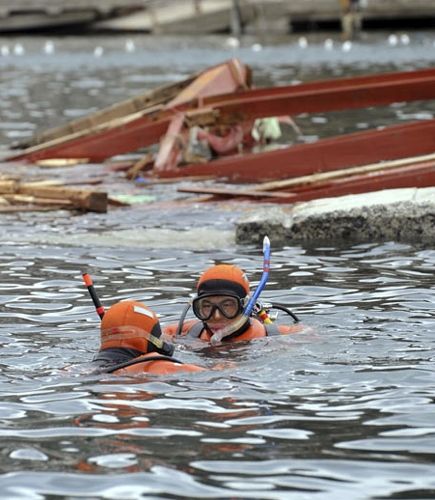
(345, 411)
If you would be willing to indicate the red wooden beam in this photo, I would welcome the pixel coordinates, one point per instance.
(142, 131)
(320, 87)
(334, 96)
(346, 151)
(99, 146)
(418, 176)
(223, 78)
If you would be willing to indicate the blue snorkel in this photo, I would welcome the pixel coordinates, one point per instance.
(224, 332)
(266, 269)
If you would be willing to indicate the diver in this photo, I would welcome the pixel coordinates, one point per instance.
(222, 294)
(131, 342)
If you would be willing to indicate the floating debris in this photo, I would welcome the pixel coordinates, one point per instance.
(215, 124)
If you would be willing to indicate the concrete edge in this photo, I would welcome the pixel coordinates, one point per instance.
(403, 215)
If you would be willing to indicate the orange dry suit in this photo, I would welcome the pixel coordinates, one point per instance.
(254, 329)
(124, 361)
(131, 343)
(227, 281)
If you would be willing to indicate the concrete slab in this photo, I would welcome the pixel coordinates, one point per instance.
(405, 215)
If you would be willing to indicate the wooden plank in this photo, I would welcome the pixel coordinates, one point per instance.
(171, 145)
(346, 172)
(147, 181)
(262, 103)
(417, 176)
(133, 105)
(94, 201)
(29, 199)
(8, 187)
(107, 140)
(30, 208)
(397, 80)
(139, 166)
(399, 174)
(234, 192)
(42, 183)
(61, 162)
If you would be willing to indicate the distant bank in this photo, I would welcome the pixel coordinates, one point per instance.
(209, 16)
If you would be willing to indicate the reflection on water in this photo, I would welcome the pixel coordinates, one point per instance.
(344, 412)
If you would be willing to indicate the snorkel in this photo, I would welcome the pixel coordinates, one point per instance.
(95, 299)
(164, 347)
(244, 317)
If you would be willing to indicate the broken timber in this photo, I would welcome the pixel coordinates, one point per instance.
(131, 106)
(36, 194)
(143, 128)
(250, 193)
(221, 96)
(416, 171)
(325, 155)
(127, 133)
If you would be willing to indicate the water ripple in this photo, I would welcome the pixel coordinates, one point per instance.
(343, 409)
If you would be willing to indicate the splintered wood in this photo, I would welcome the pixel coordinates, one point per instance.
(16, 196)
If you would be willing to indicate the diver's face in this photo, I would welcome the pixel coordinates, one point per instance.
(218, 311)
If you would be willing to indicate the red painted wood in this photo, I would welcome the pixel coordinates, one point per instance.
(98, 147)
(294, 100)
(171, 145)
(144, 130)
(418, 176)
(227, 77)
(346, 151)
(324, 155)
(361, 82)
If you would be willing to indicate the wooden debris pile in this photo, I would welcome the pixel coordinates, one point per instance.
(43, 195)
(223, 109)
(166, 115)
(416, 171)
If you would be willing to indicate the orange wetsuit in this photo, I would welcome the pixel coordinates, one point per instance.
(148, 363)
(256, 330)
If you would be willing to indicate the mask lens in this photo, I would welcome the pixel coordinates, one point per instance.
(205, 307)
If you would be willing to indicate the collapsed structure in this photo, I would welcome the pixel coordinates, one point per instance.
(221, 108)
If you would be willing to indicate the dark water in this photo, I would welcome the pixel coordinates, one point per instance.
(346, 411)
